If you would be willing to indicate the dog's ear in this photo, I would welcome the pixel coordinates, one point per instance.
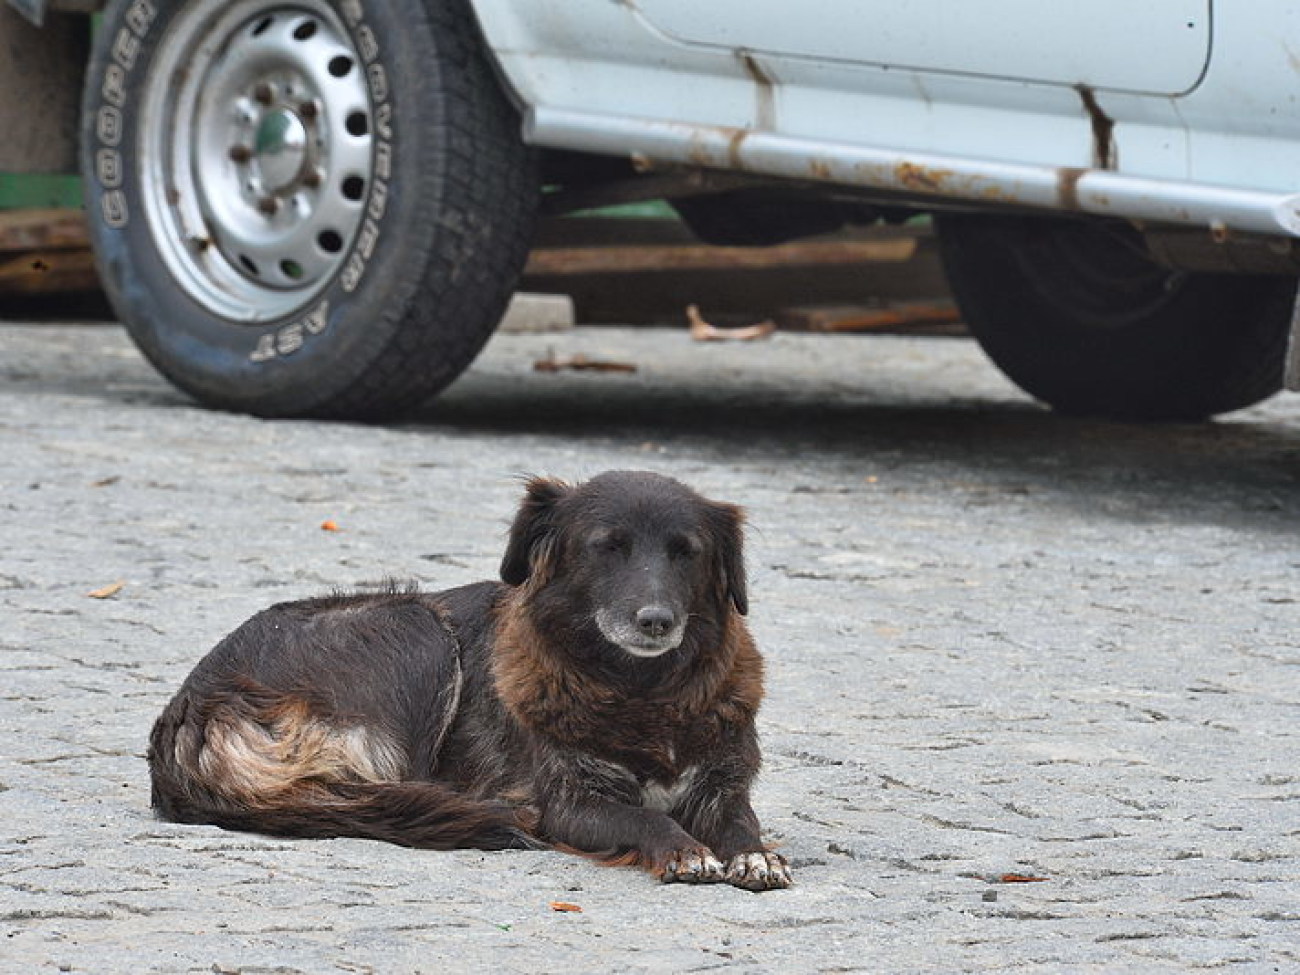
(729, 543)
(533, 528)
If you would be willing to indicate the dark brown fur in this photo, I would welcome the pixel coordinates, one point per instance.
(601, 700)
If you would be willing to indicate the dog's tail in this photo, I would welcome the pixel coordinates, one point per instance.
(416, 814)
(236, 765)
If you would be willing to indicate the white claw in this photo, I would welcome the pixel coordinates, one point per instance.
(758, 871)
(692, 867)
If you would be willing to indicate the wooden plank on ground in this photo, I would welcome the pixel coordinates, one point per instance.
(629, 258)
(33, 230)
(938, 316)
(623, 271)
(649, 271)
(48, 272)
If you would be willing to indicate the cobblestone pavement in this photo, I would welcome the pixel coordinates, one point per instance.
(1001, 646)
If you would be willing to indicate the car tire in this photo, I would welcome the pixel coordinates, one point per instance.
(304, 207)
(1079, 316)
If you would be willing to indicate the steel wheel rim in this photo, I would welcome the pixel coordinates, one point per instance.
(256, 139)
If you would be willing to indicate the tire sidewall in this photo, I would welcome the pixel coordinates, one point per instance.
(291, 363)
(1209, 346)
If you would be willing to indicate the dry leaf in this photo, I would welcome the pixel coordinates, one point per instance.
(1020, 878)
(329, 525)
(702, 331)
(107, 592)
(564, 907)
(928, 316)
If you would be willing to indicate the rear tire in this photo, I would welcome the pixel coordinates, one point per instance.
(1079, 316)
(304, 207)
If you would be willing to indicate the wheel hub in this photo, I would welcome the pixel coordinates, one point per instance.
(280, 151)
(263, 148)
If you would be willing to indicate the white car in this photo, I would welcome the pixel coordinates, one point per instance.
(320, 207)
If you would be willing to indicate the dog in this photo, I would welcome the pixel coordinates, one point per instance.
(600, 699)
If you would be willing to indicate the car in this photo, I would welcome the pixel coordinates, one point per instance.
(321, 207)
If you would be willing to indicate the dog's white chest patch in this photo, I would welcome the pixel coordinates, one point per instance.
(656, 795)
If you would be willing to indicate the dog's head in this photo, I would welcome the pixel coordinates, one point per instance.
(641, 555)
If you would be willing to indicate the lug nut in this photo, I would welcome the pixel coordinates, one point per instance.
(240, 154)
(268, 205)
(262, 93)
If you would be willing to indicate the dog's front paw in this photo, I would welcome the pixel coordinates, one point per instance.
(758, 871)
(695, 865)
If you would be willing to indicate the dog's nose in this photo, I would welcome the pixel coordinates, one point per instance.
(654, 621)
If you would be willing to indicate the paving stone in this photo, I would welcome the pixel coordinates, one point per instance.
(1000, 645)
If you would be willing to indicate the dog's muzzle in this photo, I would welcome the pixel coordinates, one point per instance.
(650, 632)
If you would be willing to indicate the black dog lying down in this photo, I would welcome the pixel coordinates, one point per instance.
(602, 700)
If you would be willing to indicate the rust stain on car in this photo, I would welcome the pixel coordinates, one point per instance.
(1067, 186)
(924, 179)
(765, 91)
(1291, 57)
(734, 145)
(996, 194)
(703, 149)
(1105, 153)
(698, 152)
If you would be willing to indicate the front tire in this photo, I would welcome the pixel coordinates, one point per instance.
(1077, 315)
(304, 207)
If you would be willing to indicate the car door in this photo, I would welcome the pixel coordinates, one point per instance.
(1153, 48)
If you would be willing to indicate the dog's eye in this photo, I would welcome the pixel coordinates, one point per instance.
(685, 547)
(607, 541)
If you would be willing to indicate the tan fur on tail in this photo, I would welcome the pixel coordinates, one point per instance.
(253, 762)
